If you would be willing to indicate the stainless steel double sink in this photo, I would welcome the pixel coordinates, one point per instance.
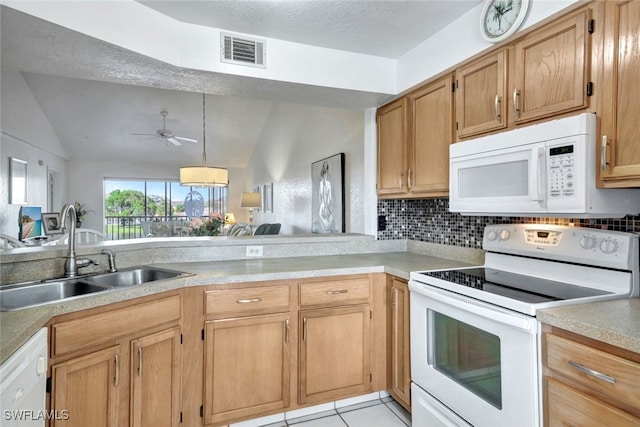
(32, 294)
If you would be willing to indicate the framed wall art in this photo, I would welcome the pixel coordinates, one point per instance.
(327, 199)
(267, 197)
(51, 223)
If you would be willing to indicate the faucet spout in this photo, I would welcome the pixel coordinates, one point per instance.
(71, 265)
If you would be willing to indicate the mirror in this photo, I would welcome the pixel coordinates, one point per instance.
(18, 181)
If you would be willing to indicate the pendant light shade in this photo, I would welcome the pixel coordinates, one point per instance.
(204, 176)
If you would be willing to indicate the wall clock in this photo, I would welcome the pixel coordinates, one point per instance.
(501, 18)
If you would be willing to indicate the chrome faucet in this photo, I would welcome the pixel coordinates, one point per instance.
(72, 264)
(112, 260)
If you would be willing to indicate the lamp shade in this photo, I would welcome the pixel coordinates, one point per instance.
(250, 200)
(204, 176)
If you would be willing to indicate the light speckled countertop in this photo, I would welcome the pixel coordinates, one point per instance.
(613, 322)
(17, 326)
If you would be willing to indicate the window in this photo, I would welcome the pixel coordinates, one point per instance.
(131, 205)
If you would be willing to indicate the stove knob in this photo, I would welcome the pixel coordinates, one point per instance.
(504, 235)
(492, 235)
(588, 242)
(608, 246)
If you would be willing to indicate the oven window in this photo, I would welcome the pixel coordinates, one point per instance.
(468, 356)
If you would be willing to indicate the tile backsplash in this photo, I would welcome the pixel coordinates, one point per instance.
(429, 220)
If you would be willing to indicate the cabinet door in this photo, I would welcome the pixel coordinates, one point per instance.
(400, 344)
(155, 379)
(87, 388)
(621, 109)
(551, 70)
(431, 109)
(481, 90)
(246, 370)
(334, 353)
(392, 145)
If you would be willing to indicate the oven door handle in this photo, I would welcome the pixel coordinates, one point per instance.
(478, 308)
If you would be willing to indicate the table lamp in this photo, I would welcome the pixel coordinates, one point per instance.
(252, 201)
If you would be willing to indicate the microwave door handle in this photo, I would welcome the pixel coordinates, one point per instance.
(538, 181)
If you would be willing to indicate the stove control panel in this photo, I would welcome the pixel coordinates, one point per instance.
(589, 246)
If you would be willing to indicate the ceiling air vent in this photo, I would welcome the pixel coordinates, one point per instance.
(242, 50)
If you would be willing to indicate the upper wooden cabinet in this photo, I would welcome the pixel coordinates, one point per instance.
(431, 133)
(392, 148)
(619, 148)
(414, 134)
(481, 95)
(552, 69)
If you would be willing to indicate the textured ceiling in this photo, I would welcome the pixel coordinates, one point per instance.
(374, 27)
(95, 94)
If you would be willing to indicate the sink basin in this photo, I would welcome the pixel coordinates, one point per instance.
(25, 295)
(22, 296)
(132, 277)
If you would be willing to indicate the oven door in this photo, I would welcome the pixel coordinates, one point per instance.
(479, 360)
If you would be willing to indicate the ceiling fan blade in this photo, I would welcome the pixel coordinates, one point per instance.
(145, 134)
(174, 141)
(181, 138)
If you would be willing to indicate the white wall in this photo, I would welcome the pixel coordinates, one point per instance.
(26, 135)
(294, 137)
(460, 40)
(86, 184)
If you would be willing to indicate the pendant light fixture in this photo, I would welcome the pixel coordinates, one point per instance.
(204, 176)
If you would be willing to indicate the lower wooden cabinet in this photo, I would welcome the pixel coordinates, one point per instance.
(122, 368)
(399, 344)
(155, 379)
(85, 389)
(334, 353)
(246, 370)
(588, 383)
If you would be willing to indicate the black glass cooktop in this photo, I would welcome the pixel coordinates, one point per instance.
(516, 286)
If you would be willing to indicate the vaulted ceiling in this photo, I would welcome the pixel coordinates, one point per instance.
(95, 95)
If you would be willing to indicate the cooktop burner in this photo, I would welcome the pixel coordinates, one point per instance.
(516, 286)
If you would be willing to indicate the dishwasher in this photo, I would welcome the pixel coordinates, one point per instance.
(23, 378)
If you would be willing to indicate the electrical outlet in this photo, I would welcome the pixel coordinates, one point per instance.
(254, 250)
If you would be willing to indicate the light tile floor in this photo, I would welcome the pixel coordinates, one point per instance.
(374, 413)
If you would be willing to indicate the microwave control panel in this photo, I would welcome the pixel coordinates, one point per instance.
(561, 164)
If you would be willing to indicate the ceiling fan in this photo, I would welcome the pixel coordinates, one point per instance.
(166, 134)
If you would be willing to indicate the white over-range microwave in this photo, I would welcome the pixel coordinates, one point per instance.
(546, 169)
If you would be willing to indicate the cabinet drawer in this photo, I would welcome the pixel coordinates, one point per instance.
(343, 291)
(567, 406)
(108, 326)
(241, 301)
(620, 377)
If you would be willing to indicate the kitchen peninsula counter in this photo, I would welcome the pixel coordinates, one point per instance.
(17, 326)
(614, 322)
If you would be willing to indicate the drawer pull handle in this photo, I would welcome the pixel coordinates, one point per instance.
(596, 374)
(140, 361)
(248, 300)
(304, 329)
(339, 291)
(496, 106)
